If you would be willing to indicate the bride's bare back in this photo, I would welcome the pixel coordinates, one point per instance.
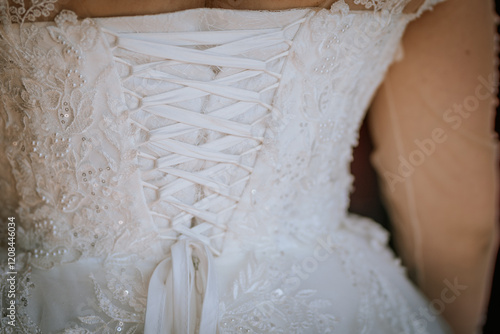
(99, 8)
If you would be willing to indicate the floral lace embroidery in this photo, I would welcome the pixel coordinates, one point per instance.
(264, 301)
(379, 299)
(21, 13)
(378, 5)
(120, 310)
(264, 298)
(66, 166)
(395, 6)
(303, 145)
(23, 287)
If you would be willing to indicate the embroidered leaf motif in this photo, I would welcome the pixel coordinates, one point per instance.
(51, 100)
(132, 330)
(305, 293)
(91, 320)
(34, 89)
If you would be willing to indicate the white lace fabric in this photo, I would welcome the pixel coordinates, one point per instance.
(172, 168)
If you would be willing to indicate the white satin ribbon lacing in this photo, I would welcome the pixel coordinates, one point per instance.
(182, 294)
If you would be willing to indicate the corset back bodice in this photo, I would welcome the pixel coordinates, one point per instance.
(208, 124)
(181, 163)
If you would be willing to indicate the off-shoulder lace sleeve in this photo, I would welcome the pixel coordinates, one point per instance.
(391, 5)
(427, 5)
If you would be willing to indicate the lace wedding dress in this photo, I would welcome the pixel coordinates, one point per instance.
(188, 172)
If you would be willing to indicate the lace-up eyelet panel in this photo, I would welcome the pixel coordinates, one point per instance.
(201, 98)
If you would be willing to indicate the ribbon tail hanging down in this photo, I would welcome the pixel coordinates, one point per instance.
(175, 288)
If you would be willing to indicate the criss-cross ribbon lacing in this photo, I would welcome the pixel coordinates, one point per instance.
(182, 293)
